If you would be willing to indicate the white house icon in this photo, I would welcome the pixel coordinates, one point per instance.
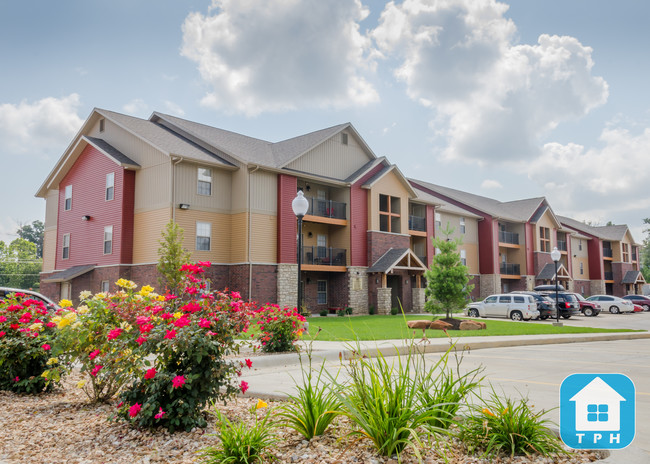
(598, 407)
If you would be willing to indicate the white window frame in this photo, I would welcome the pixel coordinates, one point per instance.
(65, 249)
(108, 240)
(67, 202)
(582, 270)
(204, 181)
(202, 228)
(320, 292)
(110, 187)
(462, 225)
(105, 286)
(438, 219)
(66, 291)
(102, 125)
(463, 257)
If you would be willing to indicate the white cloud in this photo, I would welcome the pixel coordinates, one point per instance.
(491, 184)
(174, 109)
(136, 107)
(280, 54)
(494, 99)
(39, 128)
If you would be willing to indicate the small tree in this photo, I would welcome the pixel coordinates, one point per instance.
(172, 257)
(447, 280)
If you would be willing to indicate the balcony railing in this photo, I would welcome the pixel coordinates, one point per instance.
(561, 245)
(607, 252)
(417, 223)
(508, 237)
(327, 208)
(323, 256)
(609, 276)
(509, 269)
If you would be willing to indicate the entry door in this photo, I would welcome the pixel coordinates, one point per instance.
(395, 285)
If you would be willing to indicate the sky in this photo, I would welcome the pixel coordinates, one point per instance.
(505, 99)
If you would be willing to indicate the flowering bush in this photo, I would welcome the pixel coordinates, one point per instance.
(26, 340)
(279, 328)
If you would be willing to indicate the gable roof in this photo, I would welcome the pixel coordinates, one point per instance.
(614, 233)
(388, 169)
(633, 277)
(396, 256)
(111, 152)
(548, 272)
(599, 389)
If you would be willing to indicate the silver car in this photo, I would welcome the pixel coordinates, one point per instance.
(613, 304)
(515, 307)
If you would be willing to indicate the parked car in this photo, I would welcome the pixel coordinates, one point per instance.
(566, 303)
(49, 304)
(613, 304)
(545, 305)
(588, 308)
(515, 307)
(640, 300)
(638, 309)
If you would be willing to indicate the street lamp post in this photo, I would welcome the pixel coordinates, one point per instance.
(555, 256)
(300, 206)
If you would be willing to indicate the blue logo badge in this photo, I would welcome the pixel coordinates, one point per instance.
(597, 411)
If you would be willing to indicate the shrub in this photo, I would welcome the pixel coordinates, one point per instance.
(349, 311)
(394, 311)
(371, 310)
(507, 426)
(280, 328)
(27, 335)
(241, 443)
(340, 312)
(323, 312)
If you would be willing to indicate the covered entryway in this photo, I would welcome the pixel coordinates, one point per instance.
(547, 275)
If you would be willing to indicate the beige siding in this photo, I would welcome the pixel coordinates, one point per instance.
(545, 221)
(264, 192)
(49, 249)
(388, 185)
(148, 227)
(239, 238)
(220, 243)
(580, 256)
(471, 226)
(264, 245)
(332, 158)
(186, 182)
(472, 256)
(239, 195)
(51, 208)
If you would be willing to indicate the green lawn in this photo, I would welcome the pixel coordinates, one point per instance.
(394, 327)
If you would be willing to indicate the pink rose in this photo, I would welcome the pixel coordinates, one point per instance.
(244, 386)
(170, 334)
(150, 374)
(94, 354)
(46, 347)
(178, 381)
(135, 409)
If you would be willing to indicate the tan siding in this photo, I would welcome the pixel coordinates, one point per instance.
(471, 226)
(264, 192)
(147, 232)
(220, 239)
(264, 241)
(472, 257)
(239, 191)
(332, 158)
(186, 188)
(51, 208)
(49, 249)
(340, 238)
(239, 238)
(580, 256)
(388, 185)
(545, 221)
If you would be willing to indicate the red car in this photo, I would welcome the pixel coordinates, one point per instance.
(588, 308)
(640, 300)
(638, 309)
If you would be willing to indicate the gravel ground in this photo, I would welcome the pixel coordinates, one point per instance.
(61, 427)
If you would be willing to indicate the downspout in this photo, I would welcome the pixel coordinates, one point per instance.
(173, 174)
(250, 234)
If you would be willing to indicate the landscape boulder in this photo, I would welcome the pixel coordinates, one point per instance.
(472, 325)
(440, 325)
(419, 324)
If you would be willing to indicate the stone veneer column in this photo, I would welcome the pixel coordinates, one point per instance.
(597, 287)
(571, 286)
(358, 289)
(530, 282)
(384, 300)
(287, 285)
(418, 300)
(490, 284)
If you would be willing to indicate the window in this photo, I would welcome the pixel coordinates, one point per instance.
(321, 246)
(462, 225)
(204, 182)
(105, 286)
(580, 245)
(108, 240)
(597, 413)
(438, 220)
(491, 299)
(322, 292)
(66, 291)
(110, 186)
(505, 299)
(463, 257)
(344, 138)
(203, 233)
(582, 268)
(389, 214)
(66, 246)
(68, 198)
(102, 124)
(626, 252)
(519, 299)
(544, 239)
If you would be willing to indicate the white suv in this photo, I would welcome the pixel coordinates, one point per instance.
(515, 307)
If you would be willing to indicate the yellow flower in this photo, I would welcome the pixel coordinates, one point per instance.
(63, 322)
(52, 361)
(161, 298)
(178, 315)
(71, 317)
(83, 309)
(146, 290)
(125, 283)
(261, 404)
(137, 297)
(36, 327)
(81, 383)
(56, 319)
(45, 374)
(76, 324)
(65, 303)
(85, 295)
(126, 326)
(99, 296)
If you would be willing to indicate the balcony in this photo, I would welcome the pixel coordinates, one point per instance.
(607, 253)
(323, 256)
(417, 223)
(609, 276)
(508, 237)
(327, 208)
(561, 245)
(509, 269)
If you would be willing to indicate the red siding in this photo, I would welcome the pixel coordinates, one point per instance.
(88, 179)
(488, 245)
(431, 232)
(287, 222)
(359, 220)
(595, 251)
(530, 249)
